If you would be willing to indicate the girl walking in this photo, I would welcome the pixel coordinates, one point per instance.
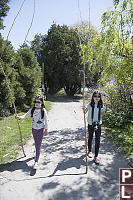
(95, 111)
(39, 125)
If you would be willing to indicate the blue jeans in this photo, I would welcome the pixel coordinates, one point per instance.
(91, 131)
(38, 136)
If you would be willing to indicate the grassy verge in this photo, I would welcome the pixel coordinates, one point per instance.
(122, 139)
(10, 145)
(10, 139)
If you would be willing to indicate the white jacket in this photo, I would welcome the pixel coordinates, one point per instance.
(37, 121)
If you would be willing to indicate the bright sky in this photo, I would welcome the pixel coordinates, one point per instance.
(46, 11)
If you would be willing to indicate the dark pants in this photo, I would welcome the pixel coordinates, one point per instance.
(38, 136)
(91, 131)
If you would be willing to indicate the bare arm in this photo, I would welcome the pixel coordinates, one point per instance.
(45, 122)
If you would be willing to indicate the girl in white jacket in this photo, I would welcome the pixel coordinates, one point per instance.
(39, 125)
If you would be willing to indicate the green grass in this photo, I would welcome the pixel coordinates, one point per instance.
(10, 138)
(122, 138)
(10, 144)
(48, 105)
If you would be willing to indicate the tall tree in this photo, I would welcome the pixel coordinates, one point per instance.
(116, 29)
(4, 8)
(10, 63)
(61, 58)
(30, 74)
(36, 47)
(90, 41)
(72, 63)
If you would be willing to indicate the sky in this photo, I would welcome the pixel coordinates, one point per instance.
(49, 11)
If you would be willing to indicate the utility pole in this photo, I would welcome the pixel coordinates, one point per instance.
(43, 79)
(44, 82)
(89, 14)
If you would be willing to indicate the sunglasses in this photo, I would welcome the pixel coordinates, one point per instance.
(97, 96)
(38, 102)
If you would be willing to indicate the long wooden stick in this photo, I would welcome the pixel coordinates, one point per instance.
(7, 82)
(84, 106)
(85, 141)
(84, 111)
(8, 85)
(84, 92)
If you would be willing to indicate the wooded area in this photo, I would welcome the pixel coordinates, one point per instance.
(108, 62)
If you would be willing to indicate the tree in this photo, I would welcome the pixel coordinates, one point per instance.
(61, 59)
(8, 61)
(72, 74)
(36, 47)
(30, 74)
(91, 45)
(117, 26)
(4, 8)
(117, 74)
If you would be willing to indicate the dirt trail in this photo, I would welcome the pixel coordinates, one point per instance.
(61, 175)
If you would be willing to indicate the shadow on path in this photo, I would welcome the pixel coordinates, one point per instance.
(101, 182)
(16, 165)
(66, 152)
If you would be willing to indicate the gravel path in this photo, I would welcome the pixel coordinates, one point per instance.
(61, 175)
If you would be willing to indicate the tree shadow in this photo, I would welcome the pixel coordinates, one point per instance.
(91, 190)
(101, 182)
(64, 98)
(62, 140)
(17, 165)
(49, 186)
(69, 163)
(70, 145)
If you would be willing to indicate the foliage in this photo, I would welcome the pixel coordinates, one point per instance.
(119, 105)
(30, 74)
(117, 74)
(24, 77)
(52, 58)
(8, 61)
(91, 44)
(4, 8)
(72, 63)
(36, 47)
(116, 27)
(59, 50)
(122, 138)
(10, 141)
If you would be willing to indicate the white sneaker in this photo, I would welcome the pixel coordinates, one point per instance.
(90, 154)
(35, 166)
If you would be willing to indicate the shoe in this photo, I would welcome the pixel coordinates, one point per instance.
(35, 166)
(90, 154)
(97, 160)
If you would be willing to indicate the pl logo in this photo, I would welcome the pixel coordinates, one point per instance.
(126, 183)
